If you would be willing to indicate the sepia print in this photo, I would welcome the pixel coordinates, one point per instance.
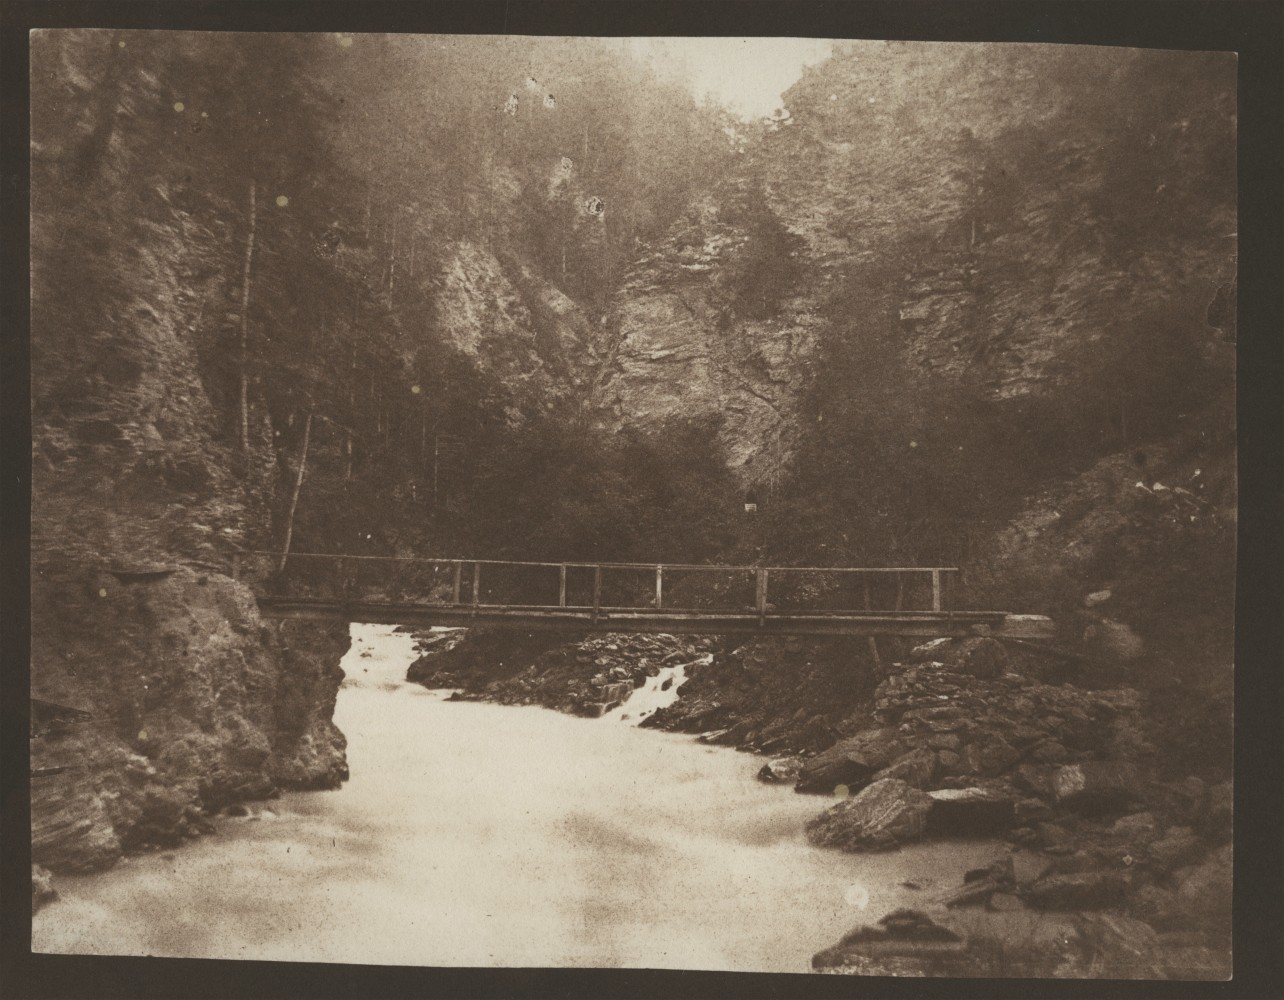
(681, 503)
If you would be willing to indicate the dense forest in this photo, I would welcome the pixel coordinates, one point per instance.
(529, 298)
(302, 227)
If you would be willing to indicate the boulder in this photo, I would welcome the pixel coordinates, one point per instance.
(781, 771)
(1185, 800)
(1205, 889)
(1122, 945)
(901, 933)
(1031, 810)
(1097, 786)
(1052, 836)
(883, 816)
(981, 657)
(981, 884)
(1178, 846)
(1158, 906)
(1050, 752)
(1089, 890)
(991, 757)
(1137, 828)
(1034, 778)
(852, 762)
(969, 812)
(916, 768)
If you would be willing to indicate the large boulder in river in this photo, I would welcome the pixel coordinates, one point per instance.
(885, 815)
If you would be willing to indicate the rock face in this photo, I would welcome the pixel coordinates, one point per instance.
(883, 816)
(987, 291)
(682, 344)
(776, 696)
(512, 324)
(191, 702)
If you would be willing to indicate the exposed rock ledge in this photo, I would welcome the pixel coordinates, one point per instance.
(172, 700)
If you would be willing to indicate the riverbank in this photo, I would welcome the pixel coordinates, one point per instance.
(963, 740)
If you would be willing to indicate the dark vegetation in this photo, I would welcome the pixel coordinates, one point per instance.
(238, 244)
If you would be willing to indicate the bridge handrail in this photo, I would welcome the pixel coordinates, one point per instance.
(609, 565)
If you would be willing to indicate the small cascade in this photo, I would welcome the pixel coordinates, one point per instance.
(658, 692)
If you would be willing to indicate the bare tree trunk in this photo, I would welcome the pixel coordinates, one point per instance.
(244, 438)
(298, 485)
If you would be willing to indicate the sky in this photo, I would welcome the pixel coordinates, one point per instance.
(748, 75)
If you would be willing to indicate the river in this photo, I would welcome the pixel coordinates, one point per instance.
(482, 835)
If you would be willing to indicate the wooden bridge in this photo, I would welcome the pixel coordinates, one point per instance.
(909, 601)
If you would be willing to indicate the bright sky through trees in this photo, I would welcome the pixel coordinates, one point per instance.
(748, 75)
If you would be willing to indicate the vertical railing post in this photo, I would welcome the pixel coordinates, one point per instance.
(762, 596)
(561, 593)
(476, 584)
(659, 587)
(459, 579)
(936, 590)
(597, 590)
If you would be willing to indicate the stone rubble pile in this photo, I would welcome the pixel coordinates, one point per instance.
(586, 676)
(963, 746)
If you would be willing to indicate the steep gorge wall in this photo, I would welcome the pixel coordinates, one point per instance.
(158, 693)
(1003, 220)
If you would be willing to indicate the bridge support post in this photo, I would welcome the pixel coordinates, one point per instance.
(459, 579)
(597, 590)
(561, 593)
(659, 587)
(476, 584)
(936, 590)
(762, 596)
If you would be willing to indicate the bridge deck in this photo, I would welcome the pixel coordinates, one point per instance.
(911, 624)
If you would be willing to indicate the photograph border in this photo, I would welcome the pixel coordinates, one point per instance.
(1252, 29)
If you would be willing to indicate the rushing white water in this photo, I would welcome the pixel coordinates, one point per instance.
(658, 692)
(475, 834)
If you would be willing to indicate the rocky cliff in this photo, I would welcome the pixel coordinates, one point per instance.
(158, 694)
(1001, 219)
(159, 697)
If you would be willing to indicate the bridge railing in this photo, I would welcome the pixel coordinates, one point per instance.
(582, 585)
